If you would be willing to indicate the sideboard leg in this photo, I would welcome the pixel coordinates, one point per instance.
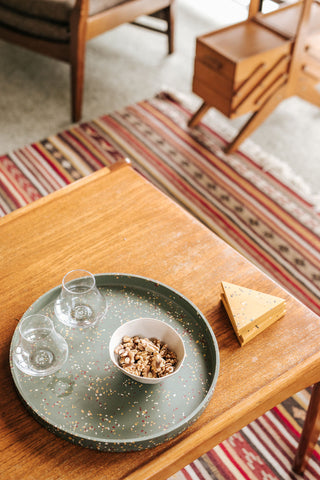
(257, 118)
(310, 432)
(196, 117)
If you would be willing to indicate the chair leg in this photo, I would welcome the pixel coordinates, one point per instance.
(310, 432)
(167, 14)
(77, 83)
(77, 57)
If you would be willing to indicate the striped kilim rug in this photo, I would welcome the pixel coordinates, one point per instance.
(249, 198)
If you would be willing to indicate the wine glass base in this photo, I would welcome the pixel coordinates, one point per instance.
(40, 364)
(42, 360)
(81, 316)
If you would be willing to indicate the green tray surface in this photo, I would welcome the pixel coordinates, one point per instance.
(91, 403)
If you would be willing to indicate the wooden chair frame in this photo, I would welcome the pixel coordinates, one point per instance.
(83, 28)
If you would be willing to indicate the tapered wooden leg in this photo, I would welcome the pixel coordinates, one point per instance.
(77, 82)
(257, 118)
(77, 57)
(310, 432)
(196, 117)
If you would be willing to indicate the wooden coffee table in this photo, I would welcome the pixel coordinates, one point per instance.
(117, 222)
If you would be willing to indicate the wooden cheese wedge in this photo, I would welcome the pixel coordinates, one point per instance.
(250, 311)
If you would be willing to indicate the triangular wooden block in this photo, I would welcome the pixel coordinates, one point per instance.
(250, 311)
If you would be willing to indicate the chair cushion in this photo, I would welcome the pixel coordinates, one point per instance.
(57, 10)
(47, 19)
(34, 26)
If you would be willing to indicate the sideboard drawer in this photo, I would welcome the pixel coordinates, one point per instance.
(213, 59)
(204, 72)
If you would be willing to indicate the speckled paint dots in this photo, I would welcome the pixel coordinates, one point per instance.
(90, 403)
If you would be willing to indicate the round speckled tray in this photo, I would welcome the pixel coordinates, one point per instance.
(91, 403)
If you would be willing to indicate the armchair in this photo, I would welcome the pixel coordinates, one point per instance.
(61, 28)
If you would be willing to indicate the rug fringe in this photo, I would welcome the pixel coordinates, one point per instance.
(267, 161)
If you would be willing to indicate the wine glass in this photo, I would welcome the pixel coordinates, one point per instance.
(40, 349)
(80, 303)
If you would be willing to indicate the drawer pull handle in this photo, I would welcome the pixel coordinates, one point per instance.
(212, 62)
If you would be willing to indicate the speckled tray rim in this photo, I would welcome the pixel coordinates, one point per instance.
(137, 443)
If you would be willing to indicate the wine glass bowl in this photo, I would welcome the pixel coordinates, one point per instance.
(80, 303)
(40, 350)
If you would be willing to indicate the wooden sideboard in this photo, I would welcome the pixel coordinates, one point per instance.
(253, 65)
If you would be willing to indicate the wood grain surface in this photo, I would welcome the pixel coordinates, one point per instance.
(117, 222)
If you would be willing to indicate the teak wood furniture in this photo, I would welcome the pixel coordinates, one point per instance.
(310, 432)
(115, 221)
(61, 29)
(254, 65)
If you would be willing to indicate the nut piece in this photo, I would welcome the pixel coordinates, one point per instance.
(145, 357)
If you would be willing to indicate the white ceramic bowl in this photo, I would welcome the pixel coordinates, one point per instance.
(148, 328)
